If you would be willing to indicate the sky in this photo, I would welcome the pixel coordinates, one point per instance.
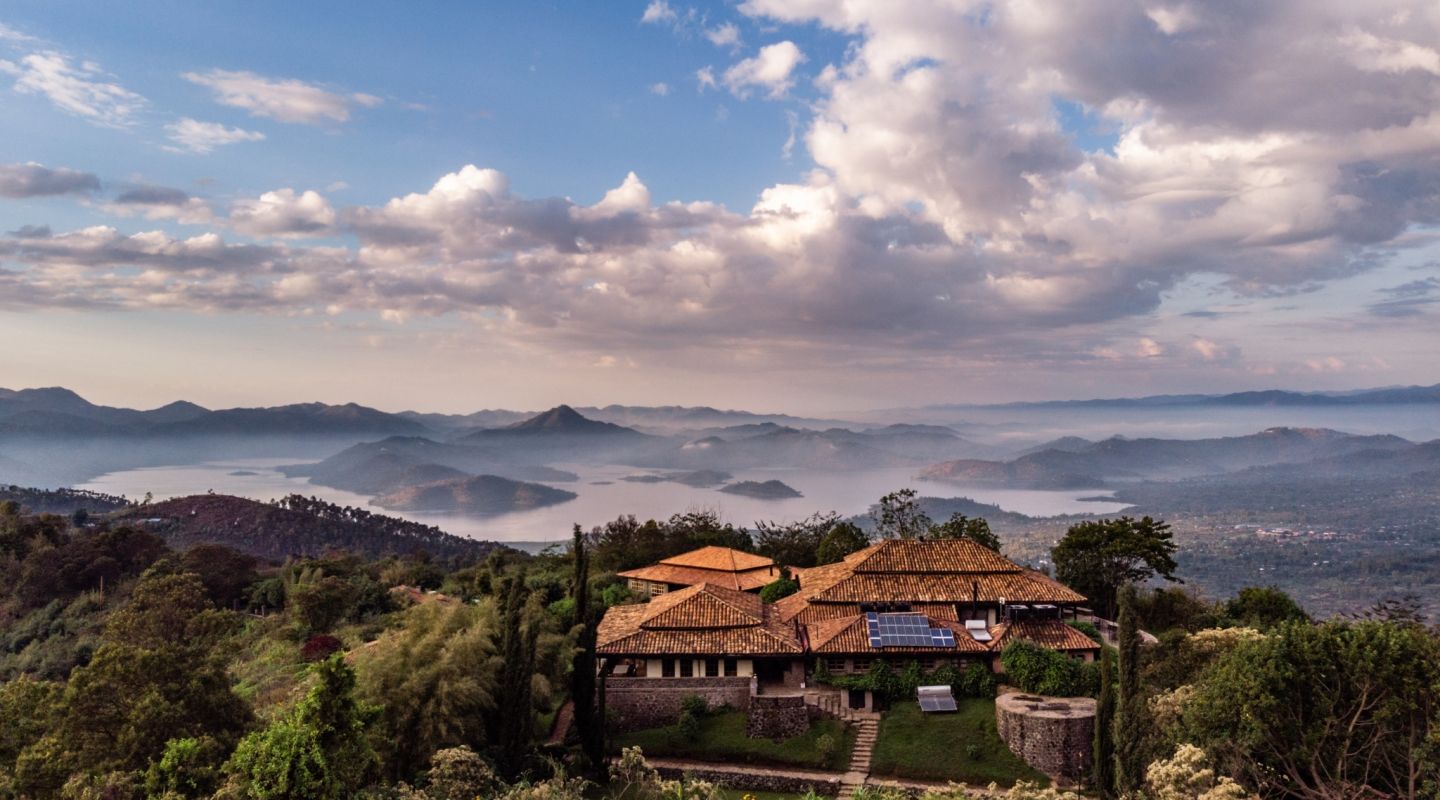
(812, 206)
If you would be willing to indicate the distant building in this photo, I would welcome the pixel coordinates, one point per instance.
(935, 602)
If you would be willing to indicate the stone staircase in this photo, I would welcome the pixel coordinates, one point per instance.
(866, 732)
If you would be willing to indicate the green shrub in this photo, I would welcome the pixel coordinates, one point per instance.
(778, 588)
(1042, 671)
(1088, 628)
(689, 726)
(695, 706)
(973, 681)
(825, 747)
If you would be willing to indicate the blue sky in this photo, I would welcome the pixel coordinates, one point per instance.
(868, 203)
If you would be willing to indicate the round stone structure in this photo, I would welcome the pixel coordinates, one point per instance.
(1055, 735)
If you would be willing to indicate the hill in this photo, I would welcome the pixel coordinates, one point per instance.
(62, 501)
(481, 494)
(762, 490)
(1120, 459)
(400, 461)
(296, 526)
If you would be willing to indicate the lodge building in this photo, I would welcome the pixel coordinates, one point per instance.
(706, 632)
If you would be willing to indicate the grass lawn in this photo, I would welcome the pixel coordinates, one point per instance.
(962, 747)
(722, 738)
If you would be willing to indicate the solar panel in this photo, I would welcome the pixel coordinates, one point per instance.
(872, 626)
(934, 699)
(905, 630)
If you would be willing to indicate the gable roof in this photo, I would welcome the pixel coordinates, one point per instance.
(719, 558)
(929, 556)
(699, 620)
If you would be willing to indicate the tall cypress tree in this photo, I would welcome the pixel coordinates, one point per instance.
(516, 701)
(1130, 724)
(582, 677)
(1104, 755)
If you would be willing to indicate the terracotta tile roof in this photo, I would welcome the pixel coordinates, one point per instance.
(940, 555)
(704, 606)
(800, 609)
(849, 635)
(699, 620)
(691, 576)
(1053, 634)
(1013, 587)
(719, 558)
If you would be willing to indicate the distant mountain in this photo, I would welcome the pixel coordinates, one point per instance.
(764, 445)
(1121, 459)
(700, 479)
(61, 412)
(482, 494)
(400, 461)
(297, 526)
(1269, 397)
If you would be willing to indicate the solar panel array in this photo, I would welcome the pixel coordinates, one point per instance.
(905, 630)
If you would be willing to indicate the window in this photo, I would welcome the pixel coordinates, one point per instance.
(732, 667)
(667, 668)
(687, 668)
(712, 668)
(835, 664)
(862, 664)
(927, 664)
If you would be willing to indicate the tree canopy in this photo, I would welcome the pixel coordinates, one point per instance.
(1098, 557)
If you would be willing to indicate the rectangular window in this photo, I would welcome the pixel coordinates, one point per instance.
(667, 668)
(862, 665)
(927, 664)
(732, 667)
(835, 664)
(687, 668)
(712, 668)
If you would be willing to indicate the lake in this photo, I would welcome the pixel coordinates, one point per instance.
(603, 496)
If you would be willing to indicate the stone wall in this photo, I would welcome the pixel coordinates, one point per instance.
(759, 780)
(635, 703)
(1055, 735)
(777, 717)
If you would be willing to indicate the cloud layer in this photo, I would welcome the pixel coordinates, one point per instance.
(954, 212)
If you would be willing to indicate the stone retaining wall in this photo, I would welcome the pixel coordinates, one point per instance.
(777, 717)
(636, 703)
(758, 780)
(1055, 735)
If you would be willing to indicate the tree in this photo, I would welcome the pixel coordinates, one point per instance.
(583, 671)
(1332, 711)
(516, 721)
(842, 540)
(317, 751)
(1131, 720)
(1098, 557)
(796, 544)
(781, 587)
(960, 526)
(458, 773)
(1104, 747)
(899, 516)
(1263, 608)
(436, 684)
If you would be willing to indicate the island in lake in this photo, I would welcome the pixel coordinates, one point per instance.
(700, 478)
(762, 490)
(481, 494)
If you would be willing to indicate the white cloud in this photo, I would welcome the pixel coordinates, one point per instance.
(80, 89)
(726, 35)
(705, 78)
(284, 213)
(662, 89)
(280, 99)
(160, 202)
(9, 34)
(203, 137)
(658, 11)
(772, 69)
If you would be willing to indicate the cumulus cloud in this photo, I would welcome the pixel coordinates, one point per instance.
(280, 99)
(772, 70)
(203, 137)
(658, 11)
(662, 89)
(160, 202)
(725, 35)
(36, 180)
(951, 218)
(81, 89)
(284, 213)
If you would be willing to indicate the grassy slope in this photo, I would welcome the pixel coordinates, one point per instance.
(939, 746)
(722, 738)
